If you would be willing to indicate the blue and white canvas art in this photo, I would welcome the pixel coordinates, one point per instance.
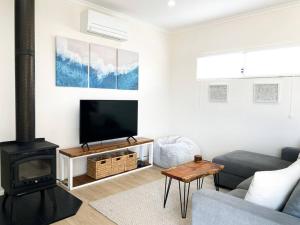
(72, 60)
(103, 67)
(128, 70)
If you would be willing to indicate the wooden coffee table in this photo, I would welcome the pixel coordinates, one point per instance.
(187, 173)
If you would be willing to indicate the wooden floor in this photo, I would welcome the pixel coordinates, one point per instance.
(89, 216)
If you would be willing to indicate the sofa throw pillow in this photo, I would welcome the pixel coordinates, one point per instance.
(271, 189)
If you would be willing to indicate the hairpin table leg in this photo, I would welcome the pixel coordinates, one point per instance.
(184, 202)
(167, 189)
(217, 180)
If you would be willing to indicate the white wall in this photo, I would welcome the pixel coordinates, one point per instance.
(57, 109)
(240, 124)
(171, 100)
(7, 78)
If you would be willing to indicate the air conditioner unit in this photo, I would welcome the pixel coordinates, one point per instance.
(100, 24)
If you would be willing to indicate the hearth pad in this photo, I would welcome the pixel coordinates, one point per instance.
(32, 210)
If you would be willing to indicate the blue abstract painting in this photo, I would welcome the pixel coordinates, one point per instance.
(128, 70)
(103, 67)
(72, 60)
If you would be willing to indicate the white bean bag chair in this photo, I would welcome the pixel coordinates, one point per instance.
(174, 150)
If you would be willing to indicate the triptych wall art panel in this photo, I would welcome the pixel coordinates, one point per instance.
(80, 64)
(72, 61)
(103, 67)
(128, 70)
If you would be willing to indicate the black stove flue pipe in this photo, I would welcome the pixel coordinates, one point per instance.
(25, 70)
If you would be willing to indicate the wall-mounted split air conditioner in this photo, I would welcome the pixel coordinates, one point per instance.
(101, 24)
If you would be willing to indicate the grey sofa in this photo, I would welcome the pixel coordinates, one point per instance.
(215, 208)
(240, 165)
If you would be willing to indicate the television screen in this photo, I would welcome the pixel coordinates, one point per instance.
(107, 119)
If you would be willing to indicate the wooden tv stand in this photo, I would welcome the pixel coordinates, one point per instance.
(70, 155)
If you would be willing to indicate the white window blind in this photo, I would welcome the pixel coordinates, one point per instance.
(263, 63)
(217, 66)
(275, 62)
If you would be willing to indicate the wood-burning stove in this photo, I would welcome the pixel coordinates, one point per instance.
(28, 167)
(28, 164)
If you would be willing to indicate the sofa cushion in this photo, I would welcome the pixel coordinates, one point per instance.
(272, 189)
(229, 180)
(290, 154)
(245, 164)
(245, 184)
(239, 193)
(292, 206)
(216, 208)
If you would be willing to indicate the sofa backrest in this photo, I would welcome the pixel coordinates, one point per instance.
(292, 206)
(290, 154)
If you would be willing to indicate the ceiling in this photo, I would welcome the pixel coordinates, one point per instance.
(186, 12)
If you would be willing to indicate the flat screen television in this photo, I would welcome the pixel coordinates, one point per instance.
(107, 119)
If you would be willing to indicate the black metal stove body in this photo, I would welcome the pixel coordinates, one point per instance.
(25, 70)
(28, 167)
(28, 164)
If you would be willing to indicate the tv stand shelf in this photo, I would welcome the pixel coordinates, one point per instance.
(72, 182)
(84, 179)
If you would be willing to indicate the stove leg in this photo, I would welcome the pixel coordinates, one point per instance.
(11, 206)
(4, 200)
(42, 202)
(12, 209)
(52, 197)
(42, 192)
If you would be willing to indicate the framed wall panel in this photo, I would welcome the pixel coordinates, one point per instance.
(266, 93)
(218, 93)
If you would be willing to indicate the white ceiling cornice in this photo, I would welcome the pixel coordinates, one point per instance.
(189, 28)
(187, 13)
(114, 13)
(238, 16)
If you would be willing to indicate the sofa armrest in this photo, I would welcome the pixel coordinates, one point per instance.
(216, 208)
(290, 154)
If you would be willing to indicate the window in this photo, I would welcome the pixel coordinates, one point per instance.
(275, 62)
(263, 63)
(227, 65)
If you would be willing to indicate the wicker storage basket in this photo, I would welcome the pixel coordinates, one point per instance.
(99, 167)
(117, 163)
(130, 160)
(111, 164)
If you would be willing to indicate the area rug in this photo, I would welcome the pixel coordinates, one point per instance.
(144, 205)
